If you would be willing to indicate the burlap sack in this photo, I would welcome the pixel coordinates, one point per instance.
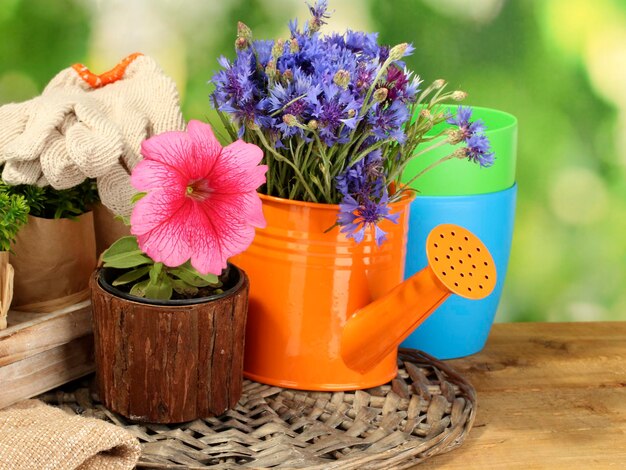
(53, 260)
(35, 436)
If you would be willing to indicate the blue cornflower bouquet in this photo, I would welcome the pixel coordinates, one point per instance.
(339, 117)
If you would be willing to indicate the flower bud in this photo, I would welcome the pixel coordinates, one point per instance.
(342, 78)
(455, 136)
(287, 75)
(397, 52)
(313, 124)
(314, 25)
(253, 126)
(244, 36)
(270, 70)
(278, 48)
(241, 44)
(425, 113)
(439, 83)
(461, 152)
(380, 95)
(290, 120)
(243, 31)
(458, 95)
(294, 46)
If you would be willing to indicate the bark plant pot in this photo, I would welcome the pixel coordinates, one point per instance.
(169, 361)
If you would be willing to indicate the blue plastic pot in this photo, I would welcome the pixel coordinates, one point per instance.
(460, 326)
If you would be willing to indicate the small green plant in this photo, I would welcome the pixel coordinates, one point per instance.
(145, 278)
(13, 214)
(50, 203)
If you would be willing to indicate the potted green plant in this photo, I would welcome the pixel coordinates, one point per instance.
(13, 215)
(169, 312)
(339, 118)
(53, 253)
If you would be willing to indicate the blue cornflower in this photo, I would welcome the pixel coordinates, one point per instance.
(296, 99)
(335, 109)
(462, 121)
(263, 50)
(387, 121)
(355, 218)
(477, 144)
(237, 90)
(365, 200)
(400, 84)
(478, 150)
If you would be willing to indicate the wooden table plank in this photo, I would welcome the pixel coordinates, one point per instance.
(550, 395)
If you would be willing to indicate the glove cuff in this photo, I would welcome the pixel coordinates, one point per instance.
(113, 75)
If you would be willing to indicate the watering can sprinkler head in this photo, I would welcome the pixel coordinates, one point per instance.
(458, 263)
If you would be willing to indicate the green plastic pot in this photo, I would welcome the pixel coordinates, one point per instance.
(458, 177)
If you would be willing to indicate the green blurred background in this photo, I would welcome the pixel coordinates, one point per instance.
(558, 65)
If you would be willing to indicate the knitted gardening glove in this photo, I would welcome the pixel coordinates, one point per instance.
(86, 125)
(143, 101)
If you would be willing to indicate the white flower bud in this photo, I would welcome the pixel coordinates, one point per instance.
(380, 95)
(458, 95)
(342, 78)
(397, 52)
(290, 120)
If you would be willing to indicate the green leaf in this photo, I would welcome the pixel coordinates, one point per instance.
(137, 196)
(125, 253)
(123, 245)
(155, 272)
(131, 276)
(183, 288)
(127, 260)
(139, 289)
(160, 289)
(188, 274)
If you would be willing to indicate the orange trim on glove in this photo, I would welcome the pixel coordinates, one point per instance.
(113, 75)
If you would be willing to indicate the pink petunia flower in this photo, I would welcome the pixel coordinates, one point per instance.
(201, 202)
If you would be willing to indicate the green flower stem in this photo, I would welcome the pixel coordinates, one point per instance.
(278, 111)
(397, 173)
(425, 93)
(283, 159)
(430, 167)
(369, 149)
(226, 123)
(431, 148)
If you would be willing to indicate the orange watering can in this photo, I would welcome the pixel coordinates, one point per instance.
(326, 313)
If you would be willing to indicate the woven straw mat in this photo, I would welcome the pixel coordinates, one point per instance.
(427, 410)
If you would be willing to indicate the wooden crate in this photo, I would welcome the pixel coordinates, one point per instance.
(39, 352)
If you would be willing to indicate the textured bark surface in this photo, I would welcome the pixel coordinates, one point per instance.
(167, 364)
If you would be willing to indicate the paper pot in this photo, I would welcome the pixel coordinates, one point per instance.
(460, 326)
(53, 260)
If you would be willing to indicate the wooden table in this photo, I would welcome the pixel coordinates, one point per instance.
(550, 395)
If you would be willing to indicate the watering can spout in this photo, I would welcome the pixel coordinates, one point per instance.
(458, 263)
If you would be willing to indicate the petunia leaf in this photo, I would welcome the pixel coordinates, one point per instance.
(125, 253)
(159, 285)
(192, 277)
(139, 289)
(126, 260)
(131, 276)
(122, 245)
(183, 288)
